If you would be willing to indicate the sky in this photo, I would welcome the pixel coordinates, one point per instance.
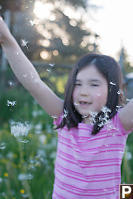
(114, 23)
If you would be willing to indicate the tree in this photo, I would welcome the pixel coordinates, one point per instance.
(11, 5)
(60, 38)
(127, 66)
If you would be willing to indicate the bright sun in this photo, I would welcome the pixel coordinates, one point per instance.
(42, 11)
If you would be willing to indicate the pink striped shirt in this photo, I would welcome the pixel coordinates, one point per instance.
(89, 166)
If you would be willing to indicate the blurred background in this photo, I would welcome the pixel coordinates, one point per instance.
(54, 34)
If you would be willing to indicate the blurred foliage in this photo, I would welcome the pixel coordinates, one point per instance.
(127, 163)
(13, 5)
(55, 76)
(29, 165)
(61, 37)
(128, 67)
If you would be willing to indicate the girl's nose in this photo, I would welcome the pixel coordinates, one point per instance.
(83, 91)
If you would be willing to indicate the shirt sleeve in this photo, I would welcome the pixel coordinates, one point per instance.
(58, 120)
(119, 125)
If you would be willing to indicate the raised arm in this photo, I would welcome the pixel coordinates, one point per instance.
(27, 75)
(126, 115)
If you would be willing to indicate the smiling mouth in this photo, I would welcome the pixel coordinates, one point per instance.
(84, 103)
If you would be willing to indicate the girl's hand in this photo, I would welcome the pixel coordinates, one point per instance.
(5, 35)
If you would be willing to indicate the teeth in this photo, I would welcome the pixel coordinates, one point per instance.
(83, 102)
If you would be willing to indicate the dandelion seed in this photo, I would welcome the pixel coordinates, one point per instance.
(93, 114)
(52, 65)
(118, 92)
(104, 119)
(112, 83)
(25, 196)
(54, 126)
(38, 128)
(33, 164)
(24, 43)
(129, 155)
(128, 100)
(101, 124)
(11, 103)
(48, 70)
(92, 117)
(37, 113)
(54, 116)
(23, 141)
(19, 129)
(42, 139)
(105, 109)
(23, 176)
(85, 116)
(2, 146)
(32, 23)
(109, 126)
(11, 83)
(65, 113)
(118, 107)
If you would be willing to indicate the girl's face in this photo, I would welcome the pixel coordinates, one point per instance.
(90, 92)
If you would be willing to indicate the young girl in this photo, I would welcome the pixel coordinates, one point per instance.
(92, 125)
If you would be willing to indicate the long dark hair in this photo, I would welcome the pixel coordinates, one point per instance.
(111, 71)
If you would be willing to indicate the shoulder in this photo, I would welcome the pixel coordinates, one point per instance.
(57, 120)
(126, 115)
(117, 124)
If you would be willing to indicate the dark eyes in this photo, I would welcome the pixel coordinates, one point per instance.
(77, 84)
(95, 85)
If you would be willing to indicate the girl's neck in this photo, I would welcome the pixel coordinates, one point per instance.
(89, 119)
(86, 120)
